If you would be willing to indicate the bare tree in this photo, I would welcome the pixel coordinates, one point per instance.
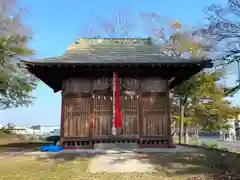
(11, 19)
(174, 38)
(119, 24)
(14, 34)
(223, 30)
(223, 33)
(224, 22)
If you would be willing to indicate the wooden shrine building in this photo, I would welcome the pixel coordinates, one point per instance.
(115, 90)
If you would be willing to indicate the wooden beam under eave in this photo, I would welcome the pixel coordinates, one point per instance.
(183, 75)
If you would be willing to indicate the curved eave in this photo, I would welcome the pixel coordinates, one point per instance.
(44, 71)
(188, 63)
(184, 76)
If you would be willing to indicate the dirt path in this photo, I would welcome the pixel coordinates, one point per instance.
(119, 162)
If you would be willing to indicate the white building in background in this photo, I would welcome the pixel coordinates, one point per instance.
(25, 131)
(229, 134)
(237, 126)
(44, 130)
(50, 130)
(55, 132)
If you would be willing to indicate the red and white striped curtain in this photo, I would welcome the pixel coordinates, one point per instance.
(117, 122)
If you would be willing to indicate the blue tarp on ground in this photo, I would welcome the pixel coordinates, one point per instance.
(51, 148)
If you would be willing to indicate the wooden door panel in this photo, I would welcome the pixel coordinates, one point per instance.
(154, 116)
(77, 114)
(130, 115)
(102, 113)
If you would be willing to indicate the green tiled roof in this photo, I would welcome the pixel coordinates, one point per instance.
(114, 50)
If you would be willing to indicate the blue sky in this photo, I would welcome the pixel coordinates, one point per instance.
(56, 23)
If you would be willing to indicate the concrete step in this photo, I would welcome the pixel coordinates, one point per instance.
(115, 146)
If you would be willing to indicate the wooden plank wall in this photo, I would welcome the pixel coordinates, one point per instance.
(148, 107)
(129, 106)
(77, 114)
(155, 120)
(130, 115)
(154, 116)
(76, 107)
(102, 106)
(76, 86)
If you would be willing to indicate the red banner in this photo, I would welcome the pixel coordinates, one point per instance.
(118, 121)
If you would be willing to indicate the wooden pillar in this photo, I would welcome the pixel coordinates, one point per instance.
(62, 121)
(169, 116)
(91, 118)
(168, 111)
(140, 109)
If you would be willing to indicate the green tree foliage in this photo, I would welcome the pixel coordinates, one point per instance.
(16, 84)
(190, 97)
(232, 56)
(8, 128)
(205, 102)
(37, 127)
(185, 43)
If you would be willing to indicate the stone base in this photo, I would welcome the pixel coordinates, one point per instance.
(172, 146)
(157, 146)
(116, 146)
(109, 146)
(78, 147)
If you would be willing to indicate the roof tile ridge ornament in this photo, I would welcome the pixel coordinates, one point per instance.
(109, 40)
(79, 44)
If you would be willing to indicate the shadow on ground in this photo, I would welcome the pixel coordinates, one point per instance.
(215, 165)
(64, 156)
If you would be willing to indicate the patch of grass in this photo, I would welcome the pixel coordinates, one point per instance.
(199, 142)
(13, 143)
(214, 145)
(21, 145)
(11, 138)
(53, 139)
(175, 166)
(211, 145)
(32, 169)
(3, 135)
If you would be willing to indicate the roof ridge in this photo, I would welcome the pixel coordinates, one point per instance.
(86, 43)
(81, 37)
(120, 40)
